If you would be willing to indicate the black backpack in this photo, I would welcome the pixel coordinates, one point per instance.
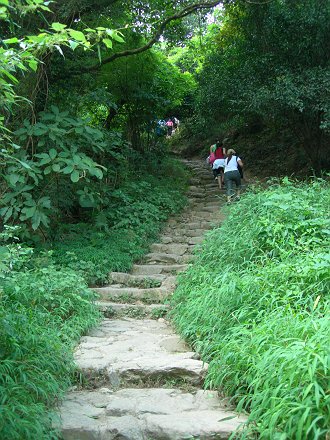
(240, 169)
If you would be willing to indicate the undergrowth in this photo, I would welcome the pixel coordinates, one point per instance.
(123, 231)
(256, 306)
(45, 304)
(43, 311)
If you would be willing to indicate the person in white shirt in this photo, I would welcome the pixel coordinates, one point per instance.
(218, 167)
(232, 175)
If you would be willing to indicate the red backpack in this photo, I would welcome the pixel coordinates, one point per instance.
(212, 158)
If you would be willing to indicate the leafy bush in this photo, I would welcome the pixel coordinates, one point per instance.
(57, 156)
(265, 276)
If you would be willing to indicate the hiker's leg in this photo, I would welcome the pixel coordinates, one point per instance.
(222, 176)
(238, 183)
(219, 178)
(229, 185)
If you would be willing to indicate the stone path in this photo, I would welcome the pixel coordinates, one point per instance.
(142, 382)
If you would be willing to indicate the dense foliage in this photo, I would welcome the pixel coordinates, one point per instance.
(266, 67)
(126, 228)
(256, 306)
(67, 144)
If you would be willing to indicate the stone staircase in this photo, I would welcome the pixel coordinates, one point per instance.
(141, 380)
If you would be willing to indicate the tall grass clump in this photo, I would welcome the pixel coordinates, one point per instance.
(256, 306)
(43, 312)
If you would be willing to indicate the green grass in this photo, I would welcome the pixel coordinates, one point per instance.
(42, 314)
(256, 306)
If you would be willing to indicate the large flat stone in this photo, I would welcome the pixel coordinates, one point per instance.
(134, 350)
(151, 269)
(110, 309)
(146, 414)
(128, 279)
(173, 248)
(163, 257)
(123, 294)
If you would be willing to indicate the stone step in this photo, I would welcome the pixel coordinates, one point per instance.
(144, 281)
(181, 239)
(184, 234)
(131, 294)
(195, 240)
(153, 311)
(188, 227)
(153, 269)
(163, 257)
(178, 249)
(130, 351)
(146, 414)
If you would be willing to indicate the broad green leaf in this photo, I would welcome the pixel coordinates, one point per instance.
(4, 252)
(73, 44)
(36, 220)
(56, 167)
(39, 131)
(13, 179)
(33, 64)
(45, 202)
(75, 176)
(86, 201)
(52, 153)
(44, 161)
(58, 27)
(97, 173)
(8, 214)
(107, 42)
(11, 40)
(29, 212)
(117, 37)
(68, 169)
(77, 35)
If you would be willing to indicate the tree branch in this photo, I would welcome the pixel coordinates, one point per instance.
(186, 11)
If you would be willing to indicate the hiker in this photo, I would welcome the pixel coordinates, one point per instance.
(218, 153)
(161, 129)
(176, 123)
(232, 174)
(169, 125)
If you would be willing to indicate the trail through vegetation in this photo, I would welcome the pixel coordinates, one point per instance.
(87, 179)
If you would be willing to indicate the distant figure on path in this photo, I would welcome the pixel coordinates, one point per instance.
(169, 125)
(176, 123)
(219, 162)
(232, 174)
